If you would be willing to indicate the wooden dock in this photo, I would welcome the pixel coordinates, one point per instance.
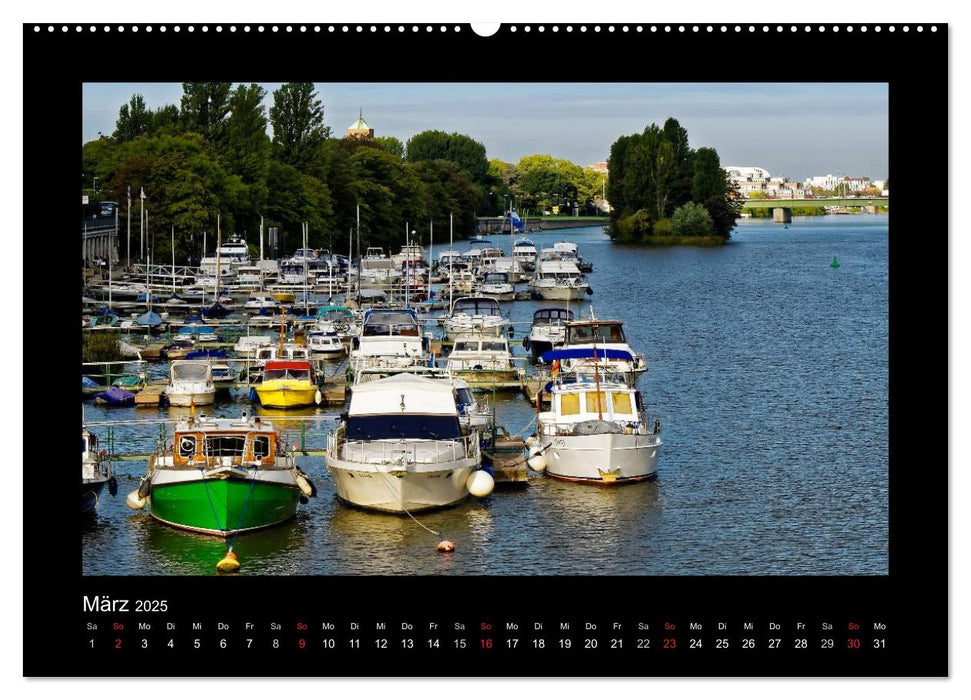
(151, 395)
(508, 460)
(533, 387)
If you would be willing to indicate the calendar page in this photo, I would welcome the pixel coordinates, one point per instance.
(561, 350)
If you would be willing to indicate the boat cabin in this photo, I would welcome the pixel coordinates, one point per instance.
(296, 370)
(594, 331)
(391, 322)
(552, 317)
(220, 441)
(476, 306)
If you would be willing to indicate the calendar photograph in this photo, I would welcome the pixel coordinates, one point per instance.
(404, 352)
(485, 328)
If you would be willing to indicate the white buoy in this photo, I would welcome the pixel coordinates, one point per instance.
(305, 488)
(318, 397)
(531, 441)
(480, 483)
(537, 463)
(134, 501)
(535, 449)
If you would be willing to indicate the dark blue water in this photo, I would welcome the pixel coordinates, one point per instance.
(769, 369)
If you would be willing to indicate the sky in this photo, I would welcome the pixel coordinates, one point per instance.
(793, 129)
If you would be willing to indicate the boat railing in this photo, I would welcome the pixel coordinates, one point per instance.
(400, 452)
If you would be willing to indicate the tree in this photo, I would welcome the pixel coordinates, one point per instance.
(691, 220)
(204, 109)
(134, 120)
(391, 144)
(709, 178)
(297, 117)
(464, 151)
(247, 145)
(682, 179)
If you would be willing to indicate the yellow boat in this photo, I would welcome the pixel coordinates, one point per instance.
(288, 384)
(285, 297)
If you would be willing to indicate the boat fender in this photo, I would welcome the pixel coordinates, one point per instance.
(526, 344)
(657, 426)
(589, 291)
(537, 463)
(445, 547)
(304, 500)
(145, 487)
(306, 486)
(134, 501)
(480, 483)
(253, 396)
(532, 440)
(228, 564)
(535, 449)
(318, 397)
(113, 486)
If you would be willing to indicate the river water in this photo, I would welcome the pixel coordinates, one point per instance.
(769, 369)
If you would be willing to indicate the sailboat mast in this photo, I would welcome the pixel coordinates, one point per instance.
(431, 237)
(450, 256)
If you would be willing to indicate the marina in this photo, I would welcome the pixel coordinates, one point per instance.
(733, 375)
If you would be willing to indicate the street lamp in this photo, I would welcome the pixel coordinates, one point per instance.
(95, 183)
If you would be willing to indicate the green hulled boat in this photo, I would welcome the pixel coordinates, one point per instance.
(222, 476)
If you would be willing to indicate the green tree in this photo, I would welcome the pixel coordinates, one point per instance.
(391, 145)
(449, 190)
(709, 178)
(204, 109)
(691, 219)
(295, 198)
(167, 119)
(389, 194)
(683, 177)
(464, 151)
(297, 117)
(134, 120)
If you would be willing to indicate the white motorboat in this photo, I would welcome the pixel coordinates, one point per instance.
(559, 280)
(547, 332)
(190, 383)
(484, 361)
(95, 472)
(262, 303)
(473, 414)
(596, 430)
(475, 315)
(524, 252)
(583, 336)
(390, 341)
(497, 286)
(323, 342)
(401, 448)
(247, 345)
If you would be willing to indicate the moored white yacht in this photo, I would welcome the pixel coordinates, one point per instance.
(559, 280)
(547, 332)
(524, 252)
(497, 286)
(595, 430)
(390, 341)
(583, 336)
(484, 361)
(190, 383)
(401, 447)
(475, 315)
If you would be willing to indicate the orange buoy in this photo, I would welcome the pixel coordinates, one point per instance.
(228, 564)
(446, 547)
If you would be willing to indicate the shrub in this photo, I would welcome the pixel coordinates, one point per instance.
(662, 227)
(692, 219)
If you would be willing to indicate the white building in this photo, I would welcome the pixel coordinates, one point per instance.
(740, 174)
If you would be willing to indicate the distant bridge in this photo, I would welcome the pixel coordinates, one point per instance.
(817, 202)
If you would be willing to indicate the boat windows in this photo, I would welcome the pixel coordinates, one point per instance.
(261, 447)
(569, 404)
(294, 374)
(413, 427)
(494, 346)
(599, 334)
(463, 397)
(195, 372)
(477, 307)
(622, 403)
(464, 346)
(596, 402)
(225, 445)
(187, 446)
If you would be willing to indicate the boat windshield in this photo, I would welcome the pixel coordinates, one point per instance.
(612, 333)
(551, 315)
(463, 397)
(477, 307)
(296, 374)
(497, 278)
(415, 427)
(390, 323)
(195, 372)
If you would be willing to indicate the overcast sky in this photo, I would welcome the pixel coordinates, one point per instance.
(792, 129)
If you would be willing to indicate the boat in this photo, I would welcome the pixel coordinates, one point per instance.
(95, 472)
(475, 315)
(566, 250)
(485, 362)
(190, 383)
(261, 303)
(390, 341)
(115, 396)
(342, 319)
(247, 345)
(196, 333)
(524, 252)
(583, 336)
(547, 332)
(462, 281)
(474, 415)
(496, 285)
(288, 384)
(401, 449)
(323, 342)
(559, 280)
(596, 430)
(222, 476)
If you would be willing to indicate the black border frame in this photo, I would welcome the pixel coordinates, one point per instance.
(912, 600)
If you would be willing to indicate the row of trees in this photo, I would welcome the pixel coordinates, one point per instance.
(211, 155)
(660, 186)
(540, 182)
